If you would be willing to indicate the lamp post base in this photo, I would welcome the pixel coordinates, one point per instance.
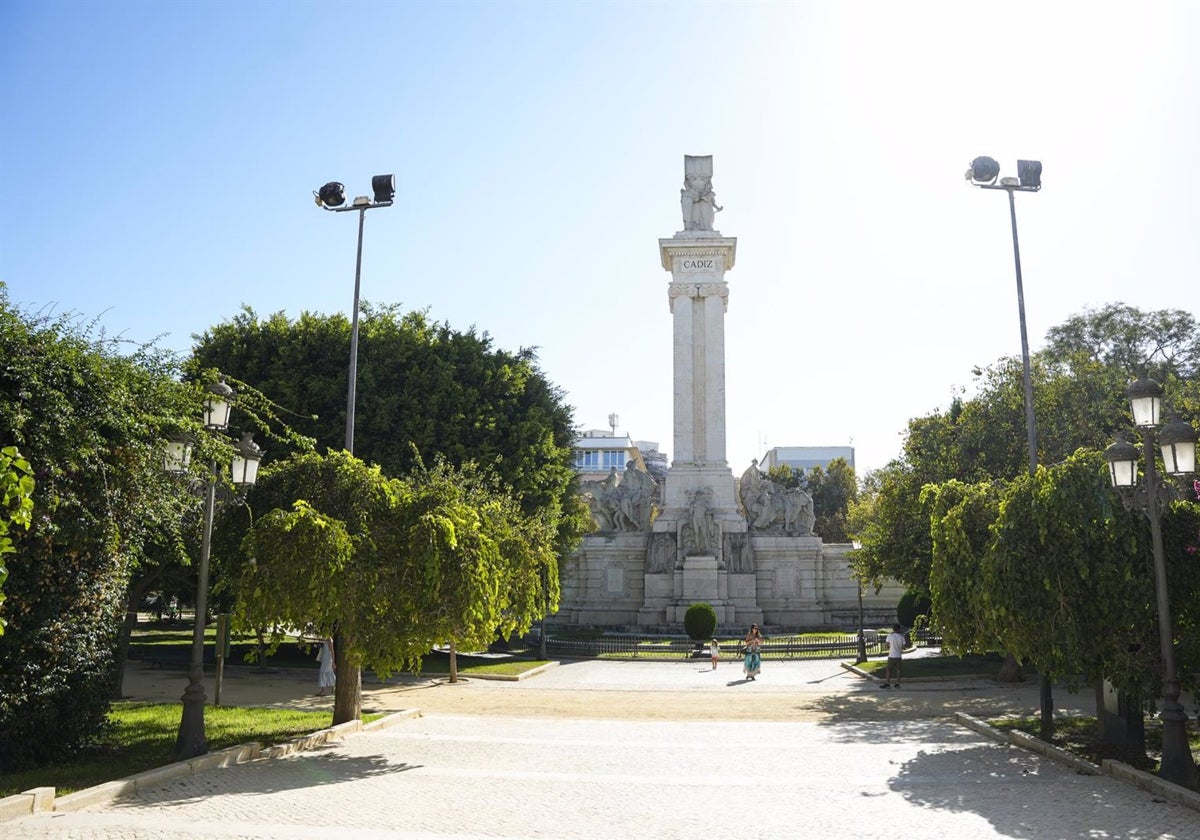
(1177, 764)
(191, 741)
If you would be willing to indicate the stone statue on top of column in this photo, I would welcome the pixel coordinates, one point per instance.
(697, 199)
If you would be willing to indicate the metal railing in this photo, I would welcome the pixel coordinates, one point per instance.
(831, 646)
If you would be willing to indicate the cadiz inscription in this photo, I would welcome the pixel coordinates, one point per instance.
(709, 264)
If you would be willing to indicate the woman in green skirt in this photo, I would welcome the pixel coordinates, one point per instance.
(751, 647)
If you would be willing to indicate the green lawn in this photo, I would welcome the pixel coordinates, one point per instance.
(168, 643)
(140, 736)
(474, 665)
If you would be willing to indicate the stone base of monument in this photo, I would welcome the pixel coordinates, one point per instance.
(700, 580)
(602, 584)
(790, 580)
(797, 583)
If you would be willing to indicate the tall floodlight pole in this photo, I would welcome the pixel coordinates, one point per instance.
(984, 173)
(1178, 443)
(331, 197)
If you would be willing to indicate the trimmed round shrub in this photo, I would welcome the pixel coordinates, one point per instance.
(700, 621)
(913, 604)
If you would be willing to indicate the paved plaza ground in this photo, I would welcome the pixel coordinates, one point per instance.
(640, 750)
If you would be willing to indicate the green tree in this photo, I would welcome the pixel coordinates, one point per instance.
(1066, 580)
(89, 416)
(890, 521)
(1164, 343)
(389, 567)
(16, 506)
(833, 490)
(424, 390)
(1079, 383)
(962, 516)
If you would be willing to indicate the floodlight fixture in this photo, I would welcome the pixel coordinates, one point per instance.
(984, 170)
(1030, 173)
(384, 187)
(332, 194)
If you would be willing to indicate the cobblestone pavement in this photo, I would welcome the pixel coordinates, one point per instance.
(837, 775)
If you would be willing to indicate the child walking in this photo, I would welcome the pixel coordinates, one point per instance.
(714, 649)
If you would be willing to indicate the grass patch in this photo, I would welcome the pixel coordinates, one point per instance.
(970, 665)
(170, 643)
(140, 736)
(438, 663)
(1080, 735)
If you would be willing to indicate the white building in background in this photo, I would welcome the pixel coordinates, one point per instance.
(806, 457)
(598, 450)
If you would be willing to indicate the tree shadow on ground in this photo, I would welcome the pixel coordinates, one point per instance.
(322, 765)
(1007, 786)
(922, 702)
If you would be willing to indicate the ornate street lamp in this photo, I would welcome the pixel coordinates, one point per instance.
(332, 197)
(983, 173)
(1178, 443)
(191, 740)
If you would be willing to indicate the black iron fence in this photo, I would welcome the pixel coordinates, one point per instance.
(831, 646)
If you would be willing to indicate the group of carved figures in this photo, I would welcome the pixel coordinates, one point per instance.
(663, 555)
(772, 508)
(625, 502)
(622, 502)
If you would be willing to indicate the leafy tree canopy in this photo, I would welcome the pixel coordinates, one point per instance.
(392, 566)
(16, 505)
(1079, 383)
(89, 415)
(424, 390)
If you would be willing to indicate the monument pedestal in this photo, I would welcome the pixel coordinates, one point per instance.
(701, 580)
(604, 584)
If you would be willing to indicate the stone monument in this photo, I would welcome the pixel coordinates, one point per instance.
(699, 515)
(747, 547)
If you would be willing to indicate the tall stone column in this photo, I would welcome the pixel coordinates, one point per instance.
(699, 522)
(699, 296)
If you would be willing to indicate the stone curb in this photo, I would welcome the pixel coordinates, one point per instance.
(1029, 742)
(27, 802)
(1147, 781)
(1117, 769)
(43, 798)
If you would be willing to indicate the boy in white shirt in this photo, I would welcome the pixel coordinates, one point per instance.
(895, 641)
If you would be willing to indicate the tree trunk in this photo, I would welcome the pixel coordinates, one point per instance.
(261, 644)
(137, 591)
(453, 664)
(347, 691)
(1010, 671)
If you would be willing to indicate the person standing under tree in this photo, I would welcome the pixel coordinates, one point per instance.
(326, 677)
(714, 650)
(895, 642)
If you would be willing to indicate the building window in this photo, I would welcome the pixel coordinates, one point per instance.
(614, 459)
(587, 459)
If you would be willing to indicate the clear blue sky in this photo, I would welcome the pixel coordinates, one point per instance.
(159, 159)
